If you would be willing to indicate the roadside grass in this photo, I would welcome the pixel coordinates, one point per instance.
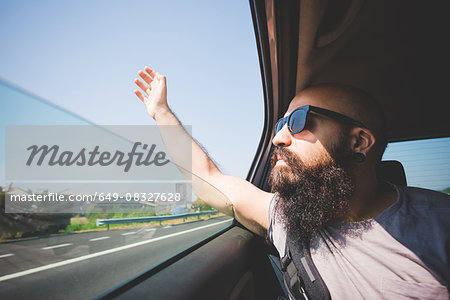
(84, 224)
(47, 224)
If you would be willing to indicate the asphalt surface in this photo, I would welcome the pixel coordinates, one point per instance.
(83, 265)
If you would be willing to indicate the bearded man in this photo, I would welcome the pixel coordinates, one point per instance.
(367, 238)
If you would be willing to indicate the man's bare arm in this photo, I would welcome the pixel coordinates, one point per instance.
(230, 195)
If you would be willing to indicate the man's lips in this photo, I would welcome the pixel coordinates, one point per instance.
(280, 160)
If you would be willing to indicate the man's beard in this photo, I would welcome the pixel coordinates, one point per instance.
(311, 196)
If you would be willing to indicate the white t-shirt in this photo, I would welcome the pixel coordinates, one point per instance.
(380, 259)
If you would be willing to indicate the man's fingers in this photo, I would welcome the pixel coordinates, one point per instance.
(144, 76)
(160, 77)
(150, 71)
(140, 96)
(151, 78)
(141, 85)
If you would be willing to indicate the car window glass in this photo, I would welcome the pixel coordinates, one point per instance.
(49, 64)
(426, 162)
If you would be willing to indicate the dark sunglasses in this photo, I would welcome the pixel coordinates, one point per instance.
(296, 120)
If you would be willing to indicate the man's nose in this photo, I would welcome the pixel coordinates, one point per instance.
(283, 138)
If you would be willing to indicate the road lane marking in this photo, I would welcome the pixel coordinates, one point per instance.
(92, 255)
(141, 230)
(168, 226)
(99, 238)
(6, 255)
(57, 246)
(128, 233)
(151, 229)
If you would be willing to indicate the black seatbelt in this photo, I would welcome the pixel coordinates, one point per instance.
(300, 274)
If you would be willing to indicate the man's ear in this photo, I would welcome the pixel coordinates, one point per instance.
(361, 140)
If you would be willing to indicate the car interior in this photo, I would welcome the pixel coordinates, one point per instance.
(394, 50)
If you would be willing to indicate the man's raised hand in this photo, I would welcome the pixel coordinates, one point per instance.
(230, 195)
(155, 91)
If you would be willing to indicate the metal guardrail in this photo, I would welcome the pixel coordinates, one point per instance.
(153, 218)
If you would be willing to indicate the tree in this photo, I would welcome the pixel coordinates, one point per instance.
(446, 191)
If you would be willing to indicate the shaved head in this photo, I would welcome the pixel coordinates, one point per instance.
(348, 101)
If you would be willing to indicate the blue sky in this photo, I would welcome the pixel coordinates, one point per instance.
(83, 56)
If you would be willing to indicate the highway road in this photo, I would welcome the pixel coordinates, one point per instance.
(83, 265)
